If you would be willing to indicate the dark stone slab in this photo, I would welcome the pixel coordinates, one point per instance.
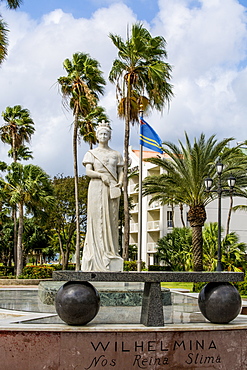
(148, 276)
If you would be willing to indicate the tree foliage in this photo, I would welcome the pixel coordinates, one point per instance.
(17, 129)
(12, 4)
(175, 250)
(62, 219)
(29, 189)
(89, 123)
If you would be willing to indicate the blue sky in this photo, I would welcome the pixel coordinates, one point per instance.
(206, 45)
(145, 9)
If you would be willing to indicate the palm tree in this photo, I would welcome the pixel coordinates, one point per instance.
(175, 249)
(30, 187)
(12, 4)
(80, 88)
(241, 183)
(88, 124)
(210, 245)
(18, 128)
(22, 153)
(142, 80)
(233, 251)
(185, 170)
(3, 40)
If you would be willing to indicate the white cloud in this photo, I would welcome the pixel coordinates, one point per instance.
(206, 46)
(36, 55)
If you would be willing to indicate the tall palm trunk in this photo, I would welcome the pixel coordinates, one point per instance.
(197, 217)
(19, 262)
(14, 208)
(197, 247)
(77, 248)
(125, 192)
(125, 176)
(15, 235)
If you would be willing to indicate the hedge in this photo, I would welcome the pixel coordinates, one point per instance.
(132, 266)
(45, 271)
(42, 271)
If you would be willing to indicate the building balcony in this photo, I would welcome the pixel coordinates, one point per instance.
(152, 247)
(133, 228)
(154, 205)
(134, 209)
(153, 225)
(132, 189)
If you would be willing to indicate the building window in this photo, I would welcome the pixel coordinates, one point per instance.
(169, 219)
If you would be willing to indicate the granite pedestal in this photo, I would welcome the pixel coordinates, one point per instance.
(152, 307)
(27, 342)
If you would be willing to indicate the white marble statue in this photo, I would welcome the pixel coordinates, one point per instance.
(105, 168)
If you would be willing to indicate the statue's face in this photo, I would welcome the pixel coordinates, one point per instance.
(103, 135)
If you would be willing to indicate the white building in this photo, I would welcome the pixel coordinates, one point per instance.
(157, 219)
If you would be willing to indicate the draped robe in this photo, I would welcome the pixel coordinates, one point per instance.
(101, 243)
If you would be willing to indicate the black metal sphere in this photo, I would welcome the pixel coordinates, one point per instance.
(220, 303)
(77, 302)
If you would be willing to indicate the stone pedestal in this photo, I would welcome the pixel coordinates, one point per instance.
(116, 264)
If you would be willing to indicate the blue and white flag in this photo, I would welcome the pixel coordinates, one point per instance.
(149, 138)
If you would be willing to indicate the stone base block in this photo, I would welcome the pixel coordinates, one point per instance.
(116, 264)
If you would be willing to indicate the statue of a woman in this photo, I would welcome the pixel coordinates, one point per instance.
(105, 168)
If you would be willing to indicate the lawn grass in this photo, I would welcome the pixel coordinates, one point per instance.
(179, 285)
(188, 286)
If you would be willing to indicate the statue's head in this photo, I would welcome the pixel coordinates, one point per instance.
(104, 126)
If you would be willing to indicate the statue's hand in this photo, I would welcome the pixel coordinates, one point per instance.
(105, 179)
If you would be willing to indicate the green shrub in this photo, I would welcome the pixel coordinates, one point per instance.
(71, 266)
(42, 271)
(241, 286)
(6, 270)
(132, 266)
(57, 267)
(36, 272)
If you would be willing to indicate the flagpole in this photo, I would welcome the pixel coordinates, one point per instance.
(150, 139)
(139, 261)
